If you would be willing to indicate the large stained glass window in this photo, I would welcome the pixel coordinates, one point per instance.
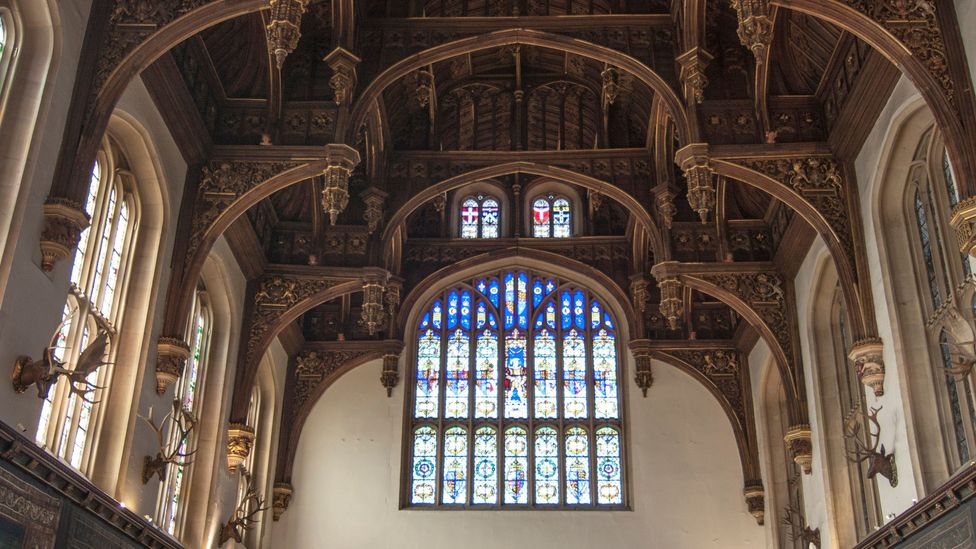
(516, 400)
(93, 306)
(551, 217)
(479, 217)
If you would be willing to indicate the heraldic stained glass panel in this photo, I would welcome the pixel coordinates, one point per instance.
(516, 399)
(479, 217)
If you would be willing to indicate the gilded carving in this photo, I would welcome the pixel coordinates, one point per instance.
(800, 445)
(171, 356)
(672, 301)
(755, 26)
(240, 439)
(281, 498)
(390, 376)
(963, 222)
(756, 501)
(867, 357)
(285, 28)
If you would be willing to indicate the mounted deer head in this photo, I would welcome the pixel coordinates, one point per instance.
(45, 372)
(181, 419)
(879, 461)
(245, 516)
(799, 530)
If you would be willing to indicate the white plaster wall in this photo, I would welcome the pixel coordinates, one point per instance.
(686, 481)
(966, 14)
(760, 361)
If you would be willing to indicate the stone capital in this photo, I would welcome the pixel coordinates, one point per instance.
(868, 357)
(756, 500)
(281, 499)
(963, 223)
(240, 440)
(799, 442)
(64, 220)
(171, 356)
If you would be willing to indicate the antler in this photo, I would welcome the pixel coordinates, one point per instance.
(245, 515)
(852, 431)
(90, 360)
(181, 419)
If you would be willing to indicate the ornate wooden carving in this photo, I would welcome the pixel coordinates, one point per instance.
(240, 440)
(281, 499)
(63, 222)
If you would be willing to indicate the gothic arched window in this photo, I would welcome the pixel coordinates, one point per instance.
(479, 217)
(552, 217)
(189, 392)
(959, 394)
(516, 399)
(98, 275)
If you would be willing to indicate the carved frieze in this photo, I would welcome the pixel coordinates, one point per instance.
(240, 440)
(31, 510)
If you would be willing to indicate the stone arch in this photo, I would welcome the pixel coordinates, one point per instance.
(508, 37)
(393, 233)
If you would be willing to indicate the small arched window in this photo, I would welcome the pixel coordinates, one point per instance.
(925, 241)
(516, 399)
(552, 217)
(479, 216)
(189, 392)
(98, 275)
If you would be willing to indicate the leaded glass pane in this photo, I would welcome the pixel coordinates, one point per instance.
(608, 466)
(470, 215)
(577, 467)
(561, 218)
(955, 406)
(486, 368)
(541, 222)
(546, 466)
(516, 466)
(605, 375)
(516, 403)
(574, 375)
(921, 220)
(485, 467)
(489, 218)
(455, 466)
(424, 466)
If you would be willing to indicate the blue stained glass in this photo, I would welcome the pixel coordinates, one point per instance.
(436, 314)
(428, 373)
(566, 308)
(486, 375)
(509, 301)
(577, 467)
(537, 294)
(516, 401)
(494, 293)
(595, 314)
(544, 357)
(608, 484)
(425, 321)
(480, 316)
(561, 218)
(465, 310)
(607, 321)
(523, 300)
(546, 317)
(516, 466)
(546, 466)
(458, 361)
(574, 375)
(485, 467)
(550, 286)
(424, 466)
(605, 376)
(579, 309)
(452, 310)
(482, 287)
(455, 466)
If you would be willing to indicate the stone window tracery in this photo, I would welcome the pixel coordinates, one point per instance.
(552, 216)
(479, 216)
(515, 400)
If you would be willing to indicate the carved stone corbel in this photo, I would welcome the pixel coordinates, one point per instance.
(756, 500)
(240, 440)
(281, 499)
(342, 160)
(64, 220)
(694, 162)
(171, 356)
(643, 376)
(799, 442)
(867, 356)
(343, 82)
(693, 63)
(963, 222)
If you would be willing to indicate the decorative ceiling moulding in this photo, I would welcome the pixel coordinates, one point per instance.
(693, 64)
(755, 26)
(343, 82)
(694, 161)
(285, 29)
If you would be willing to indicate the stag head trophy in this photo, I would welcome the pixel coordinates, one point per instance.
(46, 371)
(799, 530)
(182, 421)
(879, 461)
(245, 516)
